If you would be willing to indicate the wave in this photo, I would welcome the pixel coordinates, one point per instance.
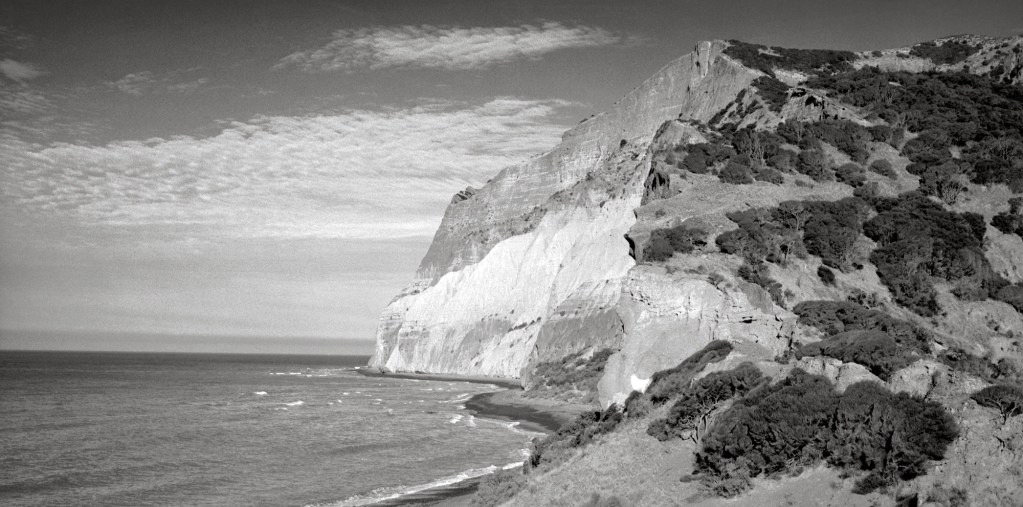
(388, 494)
(295, 403)
(455, 419)
(462, 398)
(260, 393)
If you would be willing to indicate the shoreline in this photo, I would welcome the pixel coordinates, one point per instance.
(536, 415)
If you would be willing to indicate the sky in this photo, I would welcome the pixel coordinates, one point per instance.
(246, 175)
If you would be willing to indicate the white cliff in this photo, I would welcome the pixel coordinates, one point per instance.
(533, 265)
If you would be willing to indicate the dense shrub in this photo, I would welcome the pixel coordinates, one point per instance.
(835, 317)
(574, 376)
(814, 164)
(884, 168)
(703, 157)
(736, 173)
(873, 349)
(1010, 222)
(1006, 398)
(498, 487)
(832, 230)
(696, 401)
(770, 175)
(665, 242)
(801, 420)
(669, 383)
(976, 113)
(1011, 294)
(1004, 370)
(826, 275)
(812, 61)
(851, 174)
(760, 274)
(947, 53)
(576, 433)
(918, 239)
(773, 91)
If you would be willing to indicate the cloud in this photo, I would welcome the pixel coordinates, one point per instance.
(358, 174)
(443, 48)
(18, 72)
(144, 82)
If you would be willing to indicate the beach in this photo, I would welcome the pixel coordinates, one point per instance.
(508, 404)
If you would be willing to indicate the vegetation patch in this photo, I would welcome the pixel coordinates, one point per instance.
(1010, 222)
(573, 376)
(665, 242)
(1007, 399)
(809, 61)
(774, 92)
(698, 400)
(558, 446)
(944, 54)
(670, 383)
(874, 349)
(837, 317)
(918, 239)
(780, 428)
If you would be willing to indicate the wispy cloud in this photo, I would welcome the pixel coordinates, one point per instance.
(144, 82)
(18, 71)
(363, 173)
(444, 48)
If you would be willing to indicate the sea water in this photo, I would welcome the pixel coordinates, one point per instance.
(172, 429)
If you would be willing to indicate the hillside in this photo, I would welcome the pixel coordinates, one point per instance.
(788, 277)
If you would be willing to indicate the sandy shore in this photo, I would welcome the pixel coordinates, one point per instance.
(508, 404)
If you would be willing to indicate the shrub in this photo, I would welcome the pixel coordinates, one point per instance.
(814, 164)
(918, 239)
(669, 383)
(835, 317)
(759, 274)
(770, 175)
(1011, 294)
(851, 174)
(736, 173)
(802, 420)
(950, 52)
(702, 157)
(1010, 222)
(569, 376)
(665, 242)
(813, 61)
(698, 400)
(873, 349)
(576, 433)
(826, 275)
(1007, 399)
(498, 487)
(884, 168)
(773, 91)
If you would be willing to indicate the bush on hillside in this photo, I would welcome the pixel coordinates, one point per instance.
(736, 173)
(873, 349)
(1010, 222)
(835, 317)
(759, 274)
(697, 401)
(665, 242)
(782, 427)
(814, 164)
(574, 376)
(826, 275)
(811, 61)
(851, 174)
(1007, 399)
(950, 52)
(669, 383)
(773, 91)
(918, 239)
(557, 446)
(884, 168)
(498, 487)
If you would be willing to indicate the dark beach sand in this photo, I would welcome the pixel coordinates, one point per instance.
(538, 415)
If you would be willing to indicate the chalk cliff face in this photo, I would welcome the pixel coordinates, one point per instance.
(533, 265)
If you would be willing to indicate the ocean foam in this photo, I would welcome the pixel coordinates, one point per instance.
(393, 493)
(295, 403)
(260, 393)
(455, 419)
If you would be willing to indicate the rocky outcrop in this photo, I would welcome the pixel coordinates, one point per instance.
(532, 266)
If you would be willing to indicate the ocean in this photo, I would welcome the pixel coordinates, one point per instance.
(177, 429)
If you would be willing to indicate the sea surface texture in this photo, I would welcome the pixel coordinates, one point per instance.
(168, 429)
